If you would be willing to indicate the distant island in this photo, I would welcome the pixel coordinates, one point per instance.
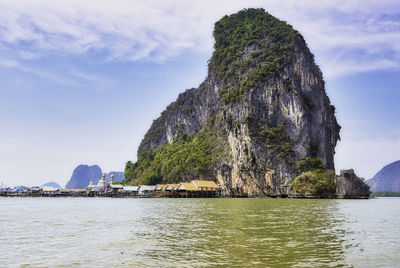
(387, 179)
(84, 174)
(385, 194)
(51, 184)
(260, 124)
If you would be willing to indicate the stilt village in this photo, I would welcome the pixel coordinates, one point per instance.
(195, 188)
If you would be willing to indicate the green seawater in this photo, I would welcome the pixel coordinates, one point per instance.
(105, 232)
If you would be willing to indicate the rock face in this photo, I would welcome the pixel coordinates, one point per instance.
(52, 184)
(84, 174)
(387, 179)
(351, 186)
(261, 108)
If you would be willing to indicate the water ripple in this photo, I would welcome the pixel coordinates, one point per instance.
(85, 232)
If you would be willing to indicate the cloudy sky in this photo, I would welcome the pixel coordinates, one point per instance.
(81, 81)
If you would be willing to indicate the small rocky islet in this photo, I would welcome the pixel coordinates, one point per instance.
(261, 123)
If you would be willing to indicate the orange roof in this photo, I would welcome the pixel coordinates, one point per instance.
(205, 184)
(188, 186)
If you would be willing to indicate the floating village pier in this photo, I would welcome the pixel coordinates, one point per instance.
(192, 189)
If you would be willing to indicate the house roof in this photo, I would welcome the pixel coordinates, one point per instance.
(131, 188)
(65, 190)
(161, 187)
(188, 186)
(47, 187)
(147, 187)
(20, 189)
(49, 190)
(116, 186)
(97, 189)
(172, 186)
(78, 190)
(205, 185)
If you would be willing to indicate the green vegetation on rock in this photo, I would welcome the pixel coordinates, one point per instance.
(189, 157)
(278, 141)
(314, 179)
(309, 164)
(317, 182)
(251, 47)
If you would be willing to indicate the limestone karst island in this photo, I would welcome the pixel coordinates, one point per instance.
(199, 133)
(259, 125)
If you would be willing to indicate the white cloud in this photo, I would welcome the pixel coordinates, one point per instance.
(49, 75)
(9, 63)
(347, 36)
(69, 76)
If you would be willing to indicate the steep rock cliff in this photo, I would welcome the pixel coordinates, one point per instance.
(261, 108)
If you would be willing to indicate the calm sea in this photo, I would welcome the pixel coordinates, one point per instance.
(104, 232)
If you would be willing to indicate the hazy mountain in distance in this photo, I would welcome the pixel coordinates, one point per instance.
(387, 179)
(84, 174)
(52, 184)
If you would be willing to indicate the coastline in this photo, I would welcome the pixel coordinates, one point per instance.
(205, 195)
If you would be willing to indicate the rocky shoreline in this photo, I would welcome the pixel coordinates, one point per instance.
(348, 186)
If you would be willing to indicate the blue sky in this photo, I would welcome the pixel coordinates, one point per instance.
(82, 82)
